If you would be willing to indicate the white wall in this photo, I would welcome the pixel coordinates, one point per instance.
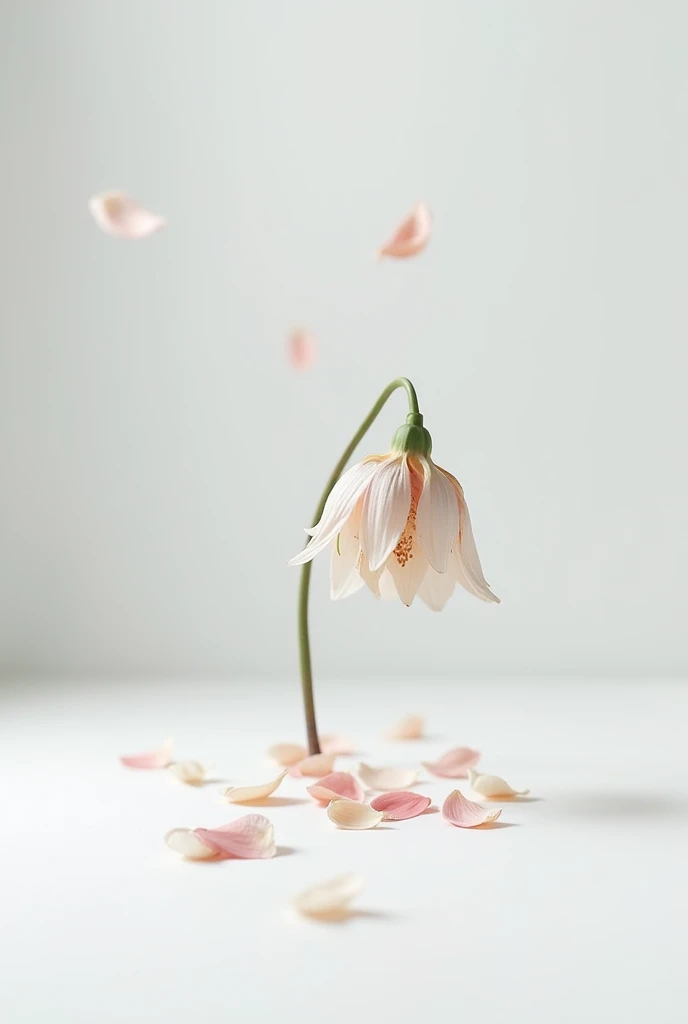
(159, 458)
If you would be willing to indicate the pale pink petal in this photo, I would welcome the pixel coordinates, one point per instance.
(410, 727)
(399, 806)
(330, 899)
(315, 766)
(190, 845)
(459, 811)
(492, 786)
(253, 794)
(436, 588)
(286, 754)
(352, 815)
(387, 778)
(466, 564)
(385, 510)
(408, 566)
(344, 576)
(437, 520)
(387, 589)
(119, 215)
(412, 235)
(250, 837)
(334, 743)
(159, 758)
(192, 773)
(338, 507)
(301, 348)
(337, 784)
(371, 579)
(455, 764)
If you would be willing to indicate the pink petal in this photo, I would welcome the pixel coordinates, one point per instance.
(301, 349)
(412, 235)
(316, 766)
(455, 764)
(159, 758)
(338, 784)
(250, 837)
(119, 215)
(408, 728)
(457, 810)
(336, 744)
(398, 806)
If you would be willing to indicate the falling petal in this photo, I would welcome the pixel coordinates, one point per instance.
(330, 899)
(191, 846)
(338, 784)
(492, 786)
(301, 349)
(455, 764)
(193, 773)
(250, 837)
(336, 744)
(387, 778)
(457, 810)
(412, 235)
(119, 215)
(352, 815)
(314, 766)
(252, 794)
(408, 728)
(159, 758)
(399, 806)
(286, 754)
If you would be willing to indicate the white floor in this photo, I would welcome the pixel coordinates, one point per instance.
(574, 911)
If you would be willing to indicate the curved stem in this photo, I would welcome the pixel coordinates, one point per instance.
(305, 584)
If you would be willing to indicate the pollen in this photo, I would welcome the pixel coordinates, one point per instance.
(404, 549)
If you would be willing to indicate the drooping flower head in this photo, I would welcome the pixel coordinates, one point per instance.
(399, 524)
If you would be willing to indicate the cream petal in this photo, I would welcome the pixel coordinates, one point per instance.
(492, 786)
(287, 754)
(121, 216)
(193, 773)
(191, 846)
(251, 838)
(329, 899)
(410, 727)
(159, 758)
(315, 766)
(436, 588)
(400, 806)
(253, 794)
(409, 573)
(385, 510)
(344, 577)
(437, 520)
(387, 778)
(388, 591)
(352, 815)
(301, 348)
(468, 570)
(463, 813)
(455, 764)
(412, 235)
(334, 743)
(335, 785)
(370, 579)
(338, 507)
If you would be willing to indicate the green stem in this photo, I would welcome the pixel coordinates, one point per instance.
(305, 584)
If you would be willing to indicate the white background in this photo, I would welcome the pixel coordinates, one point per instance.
(159, 457)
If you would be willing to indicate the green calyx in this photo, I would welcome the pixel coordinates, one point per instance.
(412, 437)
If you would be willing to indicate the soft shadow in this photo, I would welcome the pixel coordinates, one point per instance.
(506, 800)
(346, 916)
(274, 801)
(490, 826)
(285, 851)
(620, 805)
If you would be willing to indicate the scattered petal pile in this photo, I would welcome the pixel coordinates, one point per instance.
(492, 786)
(159, 758)
(408, 728)
(387, 778)
(193, 773)
(399, 806)
(412, 235)
(330, 899)
(338, 784)
(352, 815)
(119, 215)
(457, 810)
(455, 764)
(252, 794)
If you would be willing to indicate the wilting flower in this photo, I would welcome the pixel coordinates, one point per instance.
(399, 524)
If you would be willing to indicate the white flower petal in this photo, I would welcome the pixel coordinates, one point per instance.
(437, 519)
(253, 794)
(385, 510)
(191, 846)
(436, 588)
(388, 591)
(467, 567)
(344, 576)
(492, 786)
(120, 215)
(330, 898)
(352, 815)
(338, 507)
(387, 778)
(409, 568)
(193, 773)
